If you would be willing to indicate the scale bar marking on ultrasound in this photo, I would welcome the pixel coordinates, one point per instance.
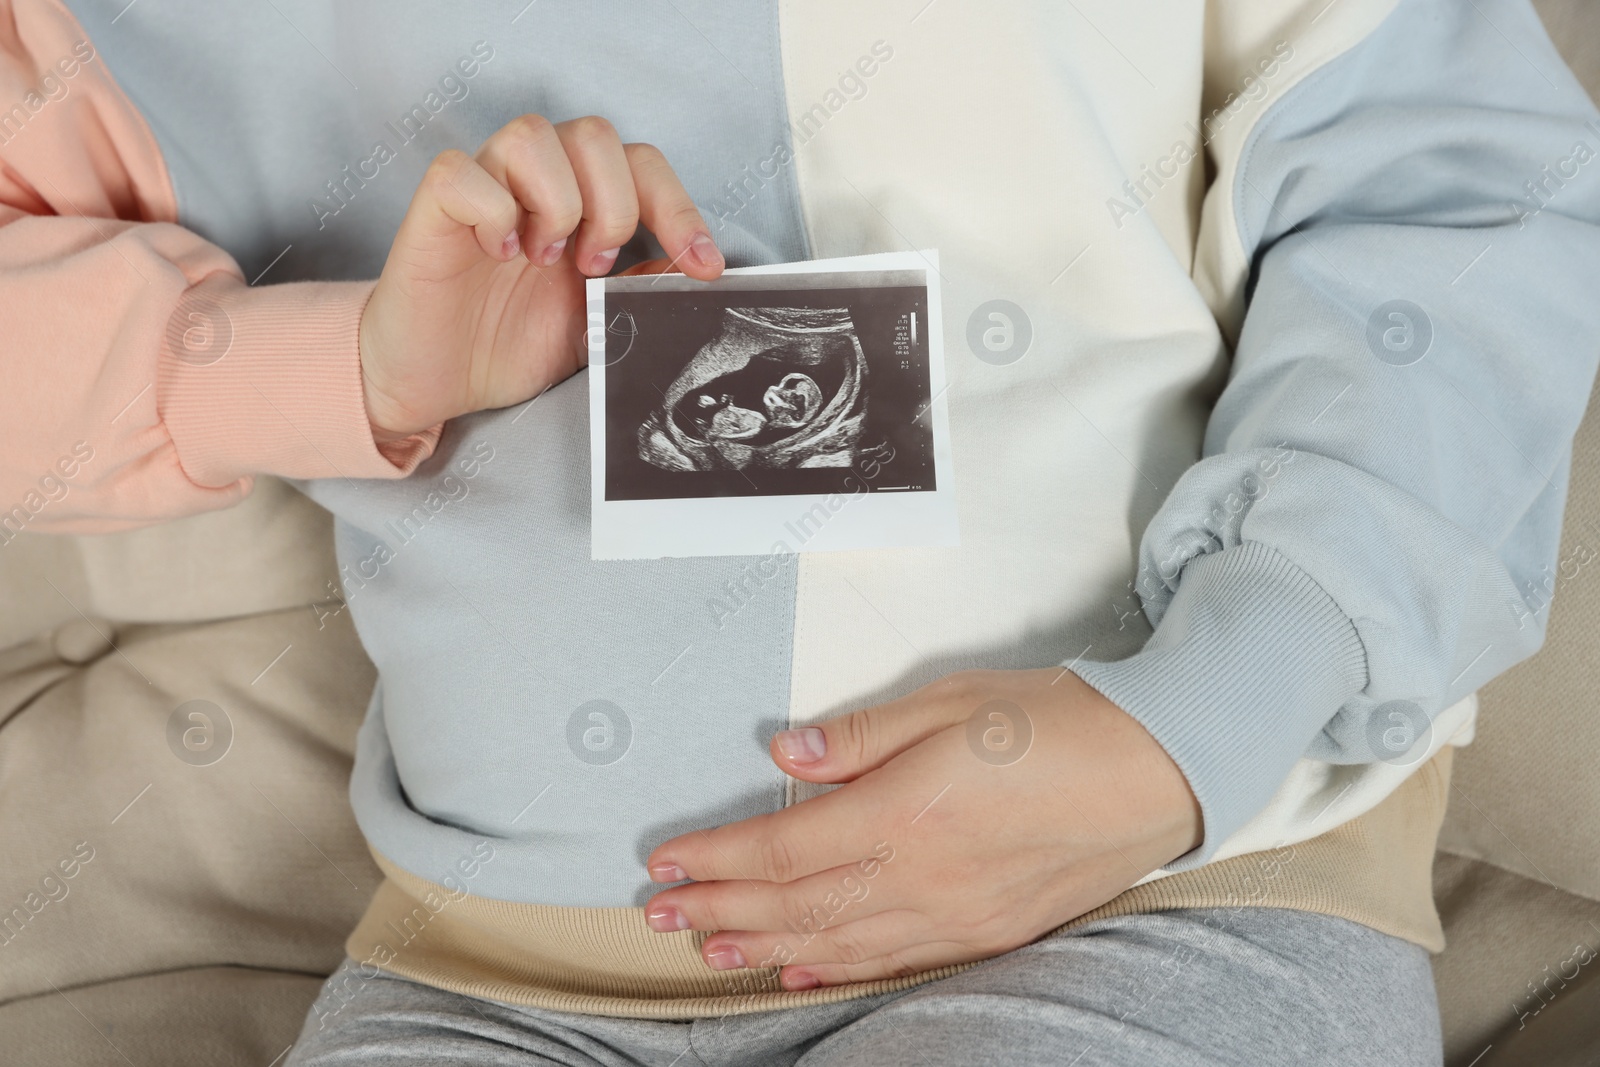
(891, 488)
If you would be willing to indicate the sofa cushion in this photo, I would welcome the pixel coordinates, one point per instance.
(195, 1018)
(1526, 796)
(179, 801)
(1513, 985)
(271, 552)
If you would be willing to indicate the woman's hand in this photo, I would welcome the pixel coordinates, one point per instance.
(981, 812)
(481, 303)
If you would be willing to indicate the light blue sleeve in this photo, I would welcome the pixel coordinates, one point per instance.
(1368, 536)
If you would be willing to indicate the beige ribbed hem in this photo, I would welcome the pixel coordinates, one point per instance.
(1375, 871)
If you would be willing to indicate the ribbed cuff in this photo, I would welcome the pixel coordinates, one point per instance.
(1251, 659)
(268, 381)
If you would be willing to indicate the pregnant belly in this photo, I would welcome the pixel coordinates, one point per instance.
(577, 711)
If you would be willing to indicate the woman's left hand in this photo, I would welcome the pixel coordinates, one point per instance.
(980, 812)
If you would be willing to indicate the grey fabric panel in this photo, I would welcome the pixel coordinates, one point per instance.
(490, 626)
(256, 107)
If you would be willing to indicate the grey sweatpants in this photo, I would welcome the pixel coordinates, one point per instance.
(1204, 986)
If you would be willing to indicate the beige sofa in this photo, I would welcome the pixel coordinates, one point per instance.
(173, 888)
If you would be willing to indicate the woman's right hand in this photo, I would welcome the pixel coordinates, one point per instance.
(481, 302)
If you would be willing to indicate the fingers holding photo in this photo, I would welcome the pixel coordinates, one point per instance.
(576, 185)
(527, 157)
(456, 193)
(667, 211)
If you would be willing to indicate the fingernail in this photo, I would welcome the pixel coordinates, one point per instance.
(803, 746)
(704, 251)
(511, 245)
(665, 919)
(725, 958)
(667, 872)
(602, 261)
(548, 257)
(797, 980)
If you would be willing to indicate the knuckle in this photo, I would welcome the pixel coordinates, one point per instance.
(650, 168)
(614, 225)
(895, 965)
(861, 731)
(709, 911)
(446, 166)
(848, 947)
(591, 130)
(531, 128)
(686, 217)
(624, 218)
(562, 218)
(770, 953)
(777, 858)
(799, 915)
(645, 155)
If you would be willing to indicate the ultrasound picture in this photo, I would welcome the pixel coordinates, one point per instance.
(778, 388)
(782, 390)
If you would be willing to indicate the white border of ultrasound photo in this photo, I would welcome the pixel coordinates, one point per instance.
(762, 525)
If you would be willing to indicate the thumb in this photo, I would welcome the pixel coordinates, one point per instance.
(844, 748)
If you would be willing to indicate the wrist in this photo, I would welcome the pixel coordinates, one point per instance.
(387, 420)
(1175, 821)
(1249, 661)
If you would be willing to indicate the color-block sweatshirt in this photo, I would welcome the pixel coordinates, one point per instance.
(1311, 300)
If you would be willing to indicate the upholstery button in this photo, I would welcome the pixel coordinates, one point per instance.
(82, 641)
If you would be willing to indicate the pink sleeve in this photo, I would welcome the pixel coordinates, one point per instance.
(143, 379)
